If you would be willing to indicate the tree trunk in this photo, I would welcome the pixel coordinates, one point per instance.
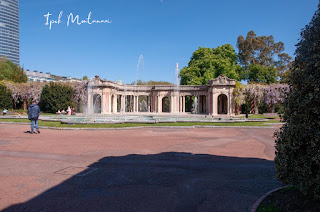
(256, 108)
(273, 108)
(25, 105)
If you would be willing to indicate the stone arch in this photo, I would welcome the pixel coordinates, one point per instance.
(96, 103)
(222, 104)
(166, 103)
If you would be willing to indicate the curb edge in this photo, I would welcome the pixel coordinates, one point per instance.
(258, 202)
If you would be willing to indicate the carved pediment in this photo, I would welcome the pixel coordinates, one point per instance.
(222, 80)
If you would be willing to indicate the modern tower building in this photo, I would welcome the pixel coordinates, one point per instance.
(9, 30)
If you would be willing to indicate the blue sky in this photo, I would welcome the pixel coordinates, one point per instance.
(163, 31)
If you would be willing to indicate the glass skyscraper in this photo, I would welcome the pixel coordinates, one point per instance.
(9, 30)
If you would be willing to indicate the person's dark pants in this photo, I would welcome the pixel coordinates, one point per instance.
(34, 123)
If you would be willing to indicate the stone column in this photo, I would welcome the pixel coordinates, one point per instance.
(148, 104)
(154, 103)
(134, 103)
(90, 102)
(115, 103)
(177, 103)
(106, 103)
(210, 103)
(103, 103)
(122, 108)
(209, 97)
(230, 104)
(183, 104)
(180, 107)
(215, 104)
(159, 100)
(199, 103)
(109, 105)
(137, 104)
(172, 103)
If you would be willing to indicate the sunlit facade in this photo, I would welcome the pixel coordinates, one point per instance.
(9, 30)
(216, 98)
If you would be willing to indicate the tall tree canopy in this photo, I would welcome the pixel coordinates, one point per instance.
(298, 142)
(262, 52)
(11, 72)
(207, 63)
(260, 73)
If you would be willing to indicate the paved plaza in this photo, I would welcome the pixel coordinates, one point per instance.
(149, 169)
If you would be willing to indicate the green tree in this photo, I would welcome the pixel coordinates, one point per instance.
(298, 141)
(283, 66)
(206, 64)
(264, 51)
(11, 72)
(6, 100)
(260, 73)
(85, 78)
(56, 96)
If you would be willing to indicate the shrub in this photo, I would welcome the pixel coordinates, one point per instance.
(298, 141)
(263, 107)
(56, 96)
(6, 100)
(245, 108)
(278, 108)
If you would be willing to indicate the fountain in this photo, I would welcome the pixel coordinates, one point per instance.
(177, 81)
(140, 67)
(195, 106)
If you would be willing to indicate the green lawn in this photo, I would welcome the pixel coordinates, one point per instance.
(256, 116)
(59, 124)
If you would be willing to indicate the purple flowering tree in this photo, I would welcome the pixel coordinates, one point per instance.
(271, 94)
(29, 91)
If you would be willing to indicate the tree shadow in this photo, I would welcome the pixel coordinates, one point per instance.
(171, 181)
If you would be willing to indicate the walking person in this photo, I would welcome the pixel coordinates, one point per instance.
(33, 115)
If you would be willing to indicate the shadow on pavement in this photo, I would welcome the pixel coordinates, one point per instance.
(168, 181)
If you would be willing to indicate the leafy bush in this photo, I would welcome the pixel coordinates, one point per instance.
(6, 100)
(298, 141)
(245, 108)
(278, 108)
(263, 107)
(56, 97)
